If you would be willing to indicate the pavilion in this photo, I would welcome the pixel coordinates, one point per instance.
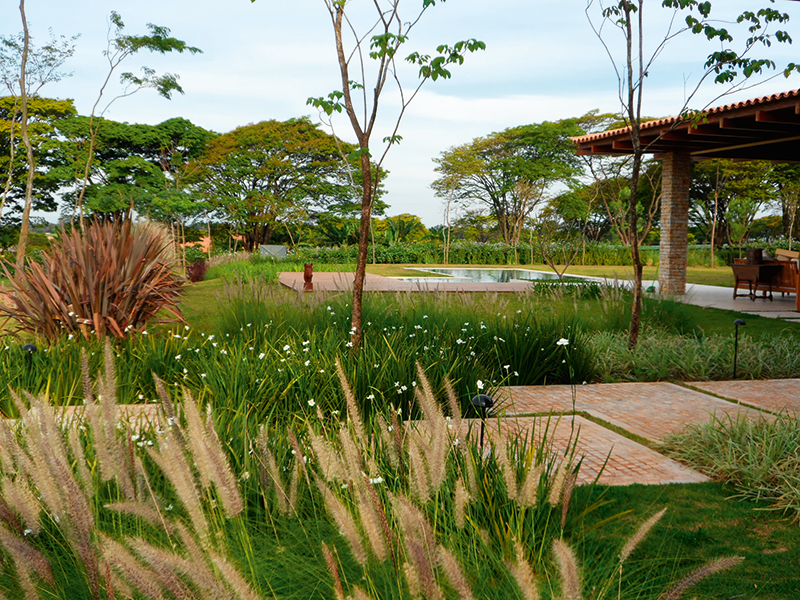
(766, 128)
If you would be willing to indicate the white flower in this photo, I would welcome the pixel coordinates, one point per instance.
(287, 347)
(211, 337)
(460, 341)
(308, 362)
(371, 397)
(506, 367)
(306, 343)
(562, 342)
(202, 375)
(245, 476)
(322, 370)
(261, 356)
(349, 344)
(178, 357)
(375, 480)
(479, 384)
(312, 403)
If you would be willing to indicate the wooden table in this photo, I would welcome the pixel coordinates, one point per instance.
(755, 276)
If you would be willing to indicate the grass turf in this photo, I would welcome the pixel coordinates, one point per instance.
(702, 523)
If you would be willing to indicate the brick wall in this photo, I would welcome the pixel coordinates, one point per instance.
(675, 181)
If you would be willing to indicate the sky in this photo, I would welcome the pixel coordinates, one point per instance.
(262, 60)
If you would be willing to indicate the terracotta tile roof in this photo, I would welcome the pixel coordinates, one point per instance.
(672, 120)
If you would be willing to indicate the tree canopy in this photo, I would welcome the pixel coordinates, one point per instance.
(264, 175)
(509, 172)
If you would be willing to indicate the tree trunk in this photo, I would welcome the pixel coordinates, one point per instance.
(26, 213)
(363, 244)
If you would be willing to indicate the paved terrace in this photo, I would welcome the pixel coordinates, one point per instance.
(649, 411)
(338, 282)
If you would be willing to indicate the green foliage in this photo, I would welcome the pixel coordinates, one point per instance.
(264, 176)
(759, 457)
(509, 172)
(663, 356)
(110, 279)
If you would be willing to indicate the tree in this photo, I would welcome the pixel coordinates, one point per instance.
(50, 154)
(262, 176)
(509, 172)
(787, 178)
(359, 99)
(120, 47)
(31, 80)
(726, 66)
(42, 66)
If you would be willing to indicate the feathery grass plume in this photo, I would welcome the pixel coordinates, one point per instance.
(640, 534)
(427, 401)
(195, 435)
(275, 475)
(200, 569)
(418, 471)
(554, 496)
(352, 407)
(352, 457)
(138, 509)
(33, 460)
(386, 440)
(509, 472)
(359, 594)
(28, 562)
(529, 490)
(79, 457)
(49, 462)
(101, 412)
(345, 522)
(472, 480)
(294, 487)
(568, 570)
(461, 501)
(329, 461)
(333, 569)
(18, 496)
(706, 570)
(163, 566)
(172, 462)
(209, 457)
(372, 524)
(133, 572)
(419, 542)
(398, 431)
(521, 570)
(454, 573)
(453, 404)
(566, 496)
(412, 580)
(232, 578)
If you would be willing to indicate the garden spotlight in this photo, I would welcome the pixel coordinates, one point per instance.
(737, 322)
(30, 349)
(483, 402)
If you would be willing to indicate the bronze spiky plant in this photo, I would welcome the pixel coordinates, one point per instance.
(111, 278)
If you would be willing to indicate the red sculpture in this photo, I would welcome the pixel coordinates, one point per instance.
(308, 274)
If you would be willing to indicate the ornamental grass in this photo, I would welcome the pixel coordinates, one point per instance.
(109, 279)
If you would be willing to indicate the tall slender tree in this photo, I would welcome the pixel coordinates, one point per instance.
(373, 52)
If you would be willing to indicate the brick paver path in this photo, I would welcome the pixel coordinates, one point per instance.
(628, 462)
(650, 410)
(776, 394)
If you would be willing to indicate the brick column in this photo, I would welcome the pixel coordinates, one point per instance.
(675, 179)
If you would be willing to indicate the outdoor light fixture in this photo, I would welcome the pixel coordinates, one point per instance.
(737, 322)
(30, 349)
(482, 402)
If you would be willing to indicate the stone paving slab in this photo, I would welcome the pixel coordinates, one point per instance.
(775, 394)
(335, 282)
(650, 410)
(628, 461)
